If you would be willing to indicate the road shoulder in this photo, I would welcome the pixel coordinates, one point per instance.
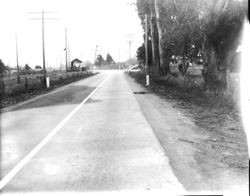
(181, 140)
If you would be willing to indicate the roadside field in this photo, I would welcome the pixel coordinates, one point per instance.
(32, 84)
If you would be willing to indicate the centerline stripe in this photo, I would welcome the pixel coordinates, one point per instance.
(32, 153)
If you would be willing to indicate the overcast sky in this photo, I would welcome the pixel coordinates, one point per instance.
(106, 23)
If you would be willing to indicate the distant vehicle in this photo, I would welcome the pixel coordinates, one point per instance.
(133, 67)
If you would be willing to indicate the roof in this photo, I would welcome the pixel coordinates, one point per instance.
(76, 60)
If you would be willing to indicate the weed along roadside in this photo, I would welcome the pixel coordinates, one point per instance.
(33, 85)
(210, 128)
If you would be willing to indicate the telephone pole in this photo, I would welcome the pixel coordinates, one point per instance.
(129, 43)
(130, 40)
(119, 54)
(17, 63)
(66, 51)
(95, 53)
(69, 63)
(146, 49)
(43, 41)
(44, 69)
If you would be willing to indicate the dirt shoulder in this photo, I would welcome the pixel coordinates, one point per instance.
(202, 136)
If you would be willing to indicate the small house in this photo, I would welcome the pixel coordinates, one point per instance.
(13, 71)
(75, 64)
(38, 68)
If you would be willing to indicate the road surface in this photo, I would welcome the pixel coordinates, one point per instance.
(90, 135)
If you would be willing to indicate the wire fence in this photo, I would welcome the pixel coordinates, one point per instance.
(34, 81)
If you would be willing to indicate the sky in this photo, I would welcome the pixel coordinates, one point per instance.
(106, 23)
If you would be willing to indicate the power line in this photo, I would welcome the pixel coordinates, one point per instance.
(44, 18)
(46, 12)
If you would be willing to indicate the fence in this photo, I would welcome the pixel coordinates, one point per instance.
(32, 82)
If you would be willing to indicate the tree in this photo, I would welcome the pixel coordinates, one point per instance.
(109, 59)
(2, 66)
(159, 29)
(154, 40)
(140, 54)
(141, 57)
(146, 8)
(27, 67)
(221, 24)
(99, 60)
(188, 27)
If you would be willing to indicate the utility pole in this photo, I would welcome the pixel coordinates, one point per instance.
(129, 43)
(17, 63)
(130, 37)
(119, 54)
(95, 52)
(66, 51)
(44, 69)
(69, 63)
(43, 41)
(146, 49)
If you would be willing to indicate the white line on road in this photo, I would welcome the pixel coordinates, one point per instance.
(32, 153)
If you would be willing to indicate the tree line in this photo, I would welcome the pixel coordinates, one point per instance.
(4, 68)
(209, 29)
(101, 61)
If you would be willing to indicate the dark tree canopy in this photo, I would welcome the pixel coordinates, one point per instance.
(99, 60)
(27, 67)
(187, 28)
(109, 59)
(2, 66)
(141, 57)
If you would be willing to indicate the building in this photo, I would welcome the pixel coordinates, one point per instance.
(38, 68)
(75, 65)
(12, 71)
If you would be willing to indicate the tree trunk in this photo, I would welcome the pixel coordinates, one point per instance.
(215, 72)
(166, 62)
(155, 56)
(160, 45)
(183, 67)
(152, 40)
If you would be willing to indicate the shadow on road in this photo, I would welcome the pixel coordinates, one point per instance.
(91, 100)
(69, 96)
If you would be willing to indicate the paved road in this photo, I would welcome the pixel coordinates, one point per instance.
(101, 143)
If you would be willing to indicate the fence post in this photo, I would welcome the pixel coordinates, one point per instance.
(41, 79)
(26, 83)
(47, 82)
